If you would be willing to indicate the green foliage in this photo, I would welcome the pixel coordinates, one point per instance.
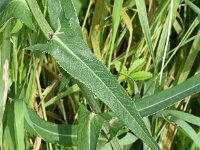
(89, 74)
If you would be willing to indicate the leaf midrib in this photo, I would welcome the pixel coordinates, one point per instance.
(54, 133)
(56, 38)
(64, 45)
(163, 101)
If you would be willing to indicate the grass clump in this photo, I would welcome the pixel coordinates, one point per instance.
(99, 74)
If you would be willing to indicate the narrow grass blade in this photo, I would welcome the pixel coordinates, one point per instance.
(152, 104)
(166, 42)
(193, 7)
(19, 123)
(190, 60)
(69, 91)
(115, 24)
(145, 27)
(165, 31)
(183, 41)
(188, 130)
(181, 115)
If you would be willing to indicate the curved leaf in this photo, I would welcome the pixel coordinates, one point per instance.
(60, 134)
(181, 115)
(188, 130)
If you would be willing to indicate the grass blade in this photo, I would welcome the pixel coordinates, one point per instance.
(19, 123)
(193, 7)
(152, 104)
(188, 130)
(145, 27)
(115, 24)
(182, 115)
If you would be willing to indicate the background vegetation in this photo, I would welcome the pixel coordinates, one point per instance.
(56, 93)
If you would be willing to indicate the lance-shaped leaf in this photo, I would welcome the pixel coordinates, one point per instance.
(89, 128)
(70, 55)
(189, 87)
(73, 55)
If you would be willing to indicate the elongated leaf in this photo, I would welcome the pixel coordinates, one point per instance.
(115, 24)
(72, 54)
(104, 118)
(19, 123)
(60, 134)
(17, 9)
(9, 132)
(145, 26)
(181, 115)
(152, 104)
(89, 128)
(95, 76)
(5, 50)
(188, 129)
